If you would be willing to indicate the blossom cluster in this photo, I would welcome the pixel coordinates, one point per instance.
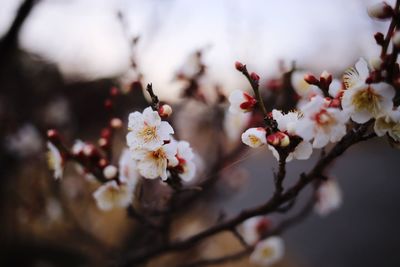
(324, 109)
(156, 152)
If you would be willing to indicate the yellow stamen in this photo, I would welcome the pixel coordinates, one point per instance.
(368, 100)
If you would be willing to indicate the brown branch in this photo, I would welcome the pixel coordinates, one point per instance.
(10, 39)
(351, 138)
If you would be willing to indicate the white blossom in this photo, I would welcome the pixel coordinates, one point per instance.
(254, 137)
(55, 160)
(321, 123)
(329, 197)
(268, 251)
(365, 101)
(153, 163)
(287, 123)
(147, 131)
(389, 123)
(113, 195)
(240, 102)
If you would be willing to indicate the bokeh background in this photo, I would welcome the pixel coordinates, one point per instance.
(69, 52)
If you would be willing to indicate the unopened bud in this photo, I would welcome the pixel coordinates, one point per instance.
(52, 134)
(116, 123)
(165, 111)
(379, 38)
(254, 76)
(105, 133)
(108, 104)
(278, 139)
(380, 11)
(310, 79)
(396, 39)
(114, 91)
(239, 66)
(325, 79)
(285, 140)
(110, 172)
(103, 142)
(376, 63)
(102, 163)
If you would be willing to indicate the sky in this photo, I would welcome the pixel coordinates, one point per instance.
(86, 41)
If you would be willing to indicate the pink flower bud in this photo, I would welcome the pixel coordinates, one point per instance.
(52, 134)
(116, 123)
(380, 11)
(165, 111)
(110, 172)
(278, 139)
(254, 76)
(239, 66)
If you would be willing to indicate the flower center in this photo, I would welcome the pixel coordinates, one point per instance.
(148, 133)
(267, 252)
(324, 119)
(254, 139)
(159, 154)
(368, 100)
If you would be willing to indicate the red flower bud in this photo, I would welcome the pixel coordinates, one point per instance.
(239, 66)
(114, 91)
(108, 104)
(379, 38)
(52, 134)
(310, 79)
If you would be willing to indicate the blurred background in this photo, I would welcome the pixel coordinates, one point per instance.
(58, 59)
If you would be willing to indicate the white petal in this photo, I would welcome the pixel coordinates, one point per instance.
(305, 129)
(320, 140)
(165, 131)
(303, 150)
(135, 120)
(151, 117)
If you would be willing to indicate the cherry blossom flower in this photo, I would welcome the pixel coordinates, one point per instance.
(254, 228)
(241, 102)
(113, 195)
(147, 131)
(55, 160)
(268, 251)
(234, 124)
(329, 197)
(153, 163)
(365, 101)
(254, 137)
(389, 123)
(321, 123)
(185, 165)
(287, 123)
